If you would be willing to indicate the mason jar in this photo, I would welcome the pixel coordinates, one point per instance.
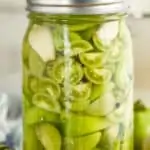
(77, 76)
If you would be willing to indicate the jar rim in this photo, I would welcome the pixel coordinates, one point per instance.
(73, 2)
(77, 6)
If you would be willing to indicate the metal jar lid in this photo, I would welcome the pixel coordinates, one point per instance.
(76, 6)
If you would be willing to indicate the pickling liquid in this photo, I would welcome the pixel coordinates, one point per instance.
(78, 85)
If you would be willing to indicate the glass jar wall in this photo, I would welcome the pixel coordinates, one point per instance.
(77, 83)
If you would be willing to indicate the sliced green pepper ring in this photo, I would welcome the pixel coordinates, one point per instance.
(97, 75)
(76, 73)
(50, 87)
(93, 59)
(78, 99)
(81, 92)
(80, 46)
(46, 102)
(100, 90)
(58, 71)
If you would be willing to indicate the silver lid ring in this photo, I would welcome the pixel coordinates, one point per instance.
(76, 6)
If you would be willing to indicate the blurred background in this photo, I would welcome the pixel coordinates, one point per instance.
(13, 22)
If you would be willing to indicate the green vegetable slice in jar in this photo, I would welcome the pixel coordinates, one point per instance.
(26, 50)
(119, 94)
(97, 75)
(26, 103)
(88, 34)
(26, 46)
(77, 44)
(125, 35)
(30, 139)
(49, 136)
(115, 52)
(105, 35)
(110, 67)
(79, 125)
(100, 90)
(58, 71)
(58, 35)
(80, 27)
(48, 69)
(80, 46)
(117, 115)
(96, 148)
(78, 99)
(84, 142)
(46, 102)
(36, 64)
(33, 84)
(58, 38)
(74, 36)
(102, 106)
(81, 92)
(76, 106)
(36, 115)
(41, 41)
(50, 87)
(109, 137)
(25, 80)
(93, 59)
(76, 73)
(121, 77)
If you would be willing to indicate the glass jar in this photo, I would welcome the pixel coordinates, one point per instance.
(77, 77)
